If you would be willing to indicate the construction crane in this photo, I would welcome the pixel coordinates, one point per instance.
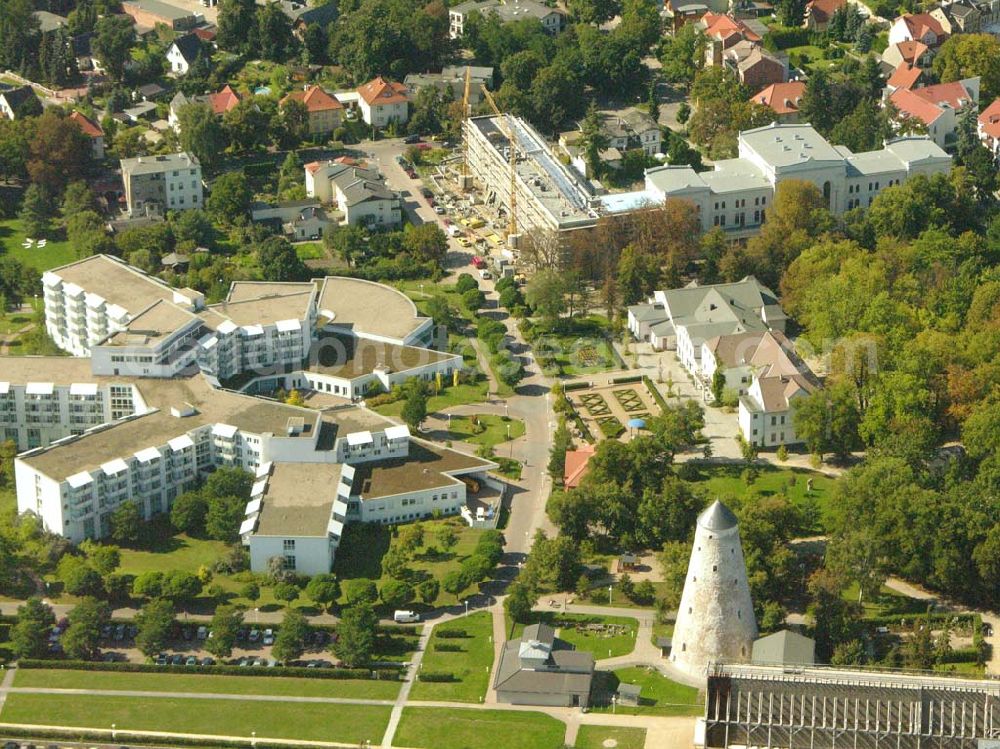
(508, 131)
(465, 120)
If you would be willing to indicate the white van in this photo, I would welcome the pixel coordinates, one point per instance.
(405, 617)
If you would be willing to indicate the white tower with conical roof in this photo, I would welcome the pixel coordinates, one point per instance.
(715, 620)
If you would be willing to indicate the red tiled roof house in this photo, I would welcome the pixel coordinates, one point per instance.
(819, 13)
(383, 102)
(325, 111)
(938, 107)
(988, 127)
(783, 99)
(92, 130)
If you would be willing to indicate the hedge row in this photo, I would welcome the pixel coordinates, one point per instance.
(397, 629)
(575, 386)
(449, 633)
(436, 676)
(312, 673)
(935, 619)
(782, 37)
(654, 393)
(961, 655)
(626, 380)
(449, 647)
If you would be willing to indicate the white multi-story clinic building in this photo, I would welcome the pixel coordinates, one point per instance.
(142, 418)
(336, 335)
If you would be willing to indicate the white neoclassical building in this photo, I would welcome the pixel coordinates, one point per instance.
(737, 194)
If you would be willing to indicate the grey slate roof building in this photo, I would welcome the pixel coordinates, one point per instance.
(541, 669)
(784, 648)
(301, 13)
(19, 102)
(188, 45)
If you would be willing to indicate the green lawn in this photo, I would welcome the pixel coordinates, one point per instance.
(13, 321)
(54, 254)
(572, 629)
(471, 667)
(207, 683)
(457, 395)
(593, 737)
(363, 546)
(886, 603)
(510, 469)
(180, 552)
(441, 728)
(288, 720)
(484, 429)
(659, 695)
(723, 481)
(310, 250)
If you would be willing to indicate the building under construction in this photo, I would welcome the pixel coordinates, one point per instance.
(812, 707)
(549, 195)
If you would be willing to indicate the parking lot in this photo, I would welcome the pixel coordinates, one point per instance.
(187, 647)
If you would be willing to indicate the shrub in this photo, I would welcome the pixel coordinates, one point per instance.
(465, 282)
(436, 676)
(452, 634)
(448, 647)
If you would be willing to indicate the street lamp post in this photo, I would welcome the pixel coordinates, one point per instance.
(610, 588)
(113, 726)
(466, 602)
(253, 738)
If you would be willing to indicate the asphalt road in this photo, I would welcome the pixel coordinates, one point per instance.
(530, 403)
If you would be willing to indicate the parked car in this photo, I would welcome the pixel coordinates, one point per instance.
(254, 635)
(241, 634)
(207, 661)
(177, 660)
(162, 659)
(120, 632)
(245, 661)
(411, 139)
(403, 616)
(268, 636)
(191, 661)
(438, 210)
(202, 632)
(426, 192)
(187, 633)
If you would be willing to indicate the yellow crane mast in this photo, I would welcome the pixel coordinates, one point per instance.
(509, 133)
(465, 141)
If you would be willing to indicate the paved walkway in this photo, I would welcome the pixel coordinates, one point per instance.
(411, 676)
(121, 734)
(499, 638)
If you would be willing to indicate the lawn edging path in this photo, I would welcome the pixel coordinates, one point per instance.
(194, 683)
(290, 718)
